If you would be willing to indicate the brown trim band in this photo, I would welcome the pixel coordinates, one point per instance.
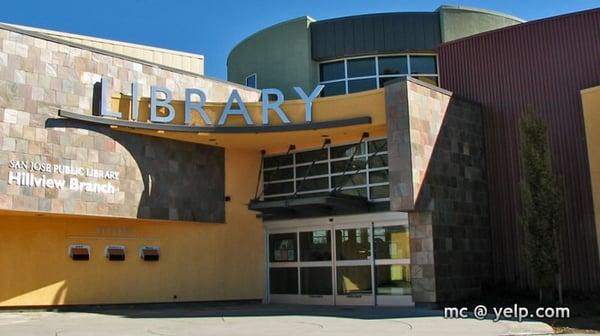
(215, 129)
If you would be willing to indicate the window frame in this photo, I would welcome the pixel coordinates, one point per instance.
(255, 80)
(329, 175)
(377, 76)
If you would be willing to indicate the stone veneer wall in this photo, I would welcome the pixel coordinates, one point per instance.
(159, 179)
(437, 175)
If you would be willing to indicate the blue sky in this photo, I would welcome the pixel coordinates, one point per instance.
(212, 28)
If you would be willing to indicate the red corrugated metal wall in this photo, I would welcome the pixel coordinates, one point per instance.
(544, 64)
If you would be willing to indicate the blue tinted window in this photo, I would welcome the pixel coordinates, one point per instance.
(393, 65)
(361, 67)
(251, 81)
(358, 85)
(334, 89)
(423, 65)
(332, 71)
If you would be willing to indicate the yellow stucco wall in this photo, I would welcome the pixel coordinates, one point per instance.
(590, 99)
(198, 262)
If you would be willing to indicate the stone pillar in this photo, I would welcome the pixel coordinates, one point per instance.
(422, 269)
(437, 175)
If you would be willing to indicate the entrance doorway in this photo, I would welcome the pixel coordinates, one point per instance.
(343, 260)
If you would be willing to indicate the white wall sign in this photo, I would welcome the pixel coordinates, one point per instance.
(33, 174)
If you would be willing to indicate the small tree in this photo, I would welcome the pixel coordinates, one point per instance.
(541, 201)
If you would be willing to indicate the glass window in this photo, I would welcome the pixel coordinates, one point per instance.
(378, 146)
(391, 242)
(358, 85)
(362, 74)
(354, 280)
(383, 80)
(346, 150)
(316, 169)
(279, 160)
(279, 188)
(423, 65)
(312, 184)
(393, 279)
(332, 71)
(348, 180)
(279, 174)
(315, 281)
(282, 247)
(353, 244)
(251, 81)
(283, 280)
(428, 79)
(313, 193)
(344, 165)
(334, 89)
(358, 192)
(309, 156)
(377, 161)
(324, 174)
(393, 65)
(378, 176)
(361, 67)
(380, 192)
(315, 245)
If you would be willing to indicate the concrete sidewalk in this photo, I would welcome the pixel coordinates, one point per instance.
(254, 319)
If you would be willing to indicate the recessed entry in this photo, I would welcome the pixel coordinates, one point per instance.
(150, 253)
(79, 252)
(115, 253)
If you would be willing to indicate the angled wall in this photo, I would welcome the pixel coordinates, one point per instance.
(437, 175)
(457, 21)
(590, 102)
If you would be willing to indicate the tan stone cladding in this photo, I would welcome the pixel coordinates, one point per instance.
(437, 175)
(156, 178)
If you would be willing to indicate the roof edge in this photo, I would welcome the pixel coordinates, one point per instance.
(375, 14)
(481, 10)
(103, 40)
(117, 55)
(518, 26)
(590, 89)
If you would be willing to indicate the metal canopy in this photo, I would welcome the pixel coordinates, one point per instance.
(215, 129)
(310, 206)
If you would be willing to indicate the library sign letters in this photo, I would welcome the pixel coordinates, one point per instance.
(37, 174)
(195, 99)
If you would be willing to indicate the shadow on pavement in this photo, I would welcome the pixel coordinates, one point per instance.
(247, 309)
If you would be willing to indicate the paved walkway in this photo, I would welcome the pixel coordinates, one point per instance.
(251, 319)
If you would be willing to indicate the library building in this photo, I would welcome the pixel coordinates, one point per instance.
(363, 160)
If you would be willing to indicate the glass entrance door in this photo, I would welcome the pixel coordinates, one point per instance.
(354, 265)
(300, 266)
(351, 260)
(392, 264)
(316, 281)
